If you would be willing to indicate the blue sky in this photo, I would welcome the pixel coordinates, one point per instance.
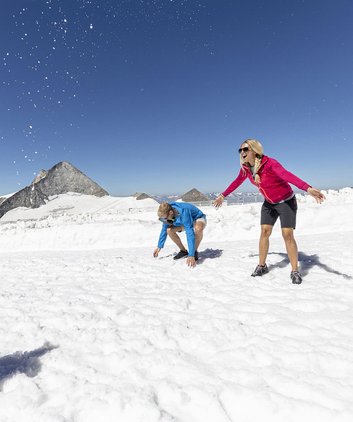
(156, 95)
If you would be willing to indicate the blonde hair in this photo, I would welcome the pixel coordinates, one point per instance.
(164, 209)
(257, 147)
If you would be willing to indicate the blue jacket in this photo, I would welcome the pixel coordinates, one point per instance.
(187, 214)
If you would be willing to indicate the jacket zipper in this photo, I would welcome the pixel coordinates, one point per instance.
(261, 189)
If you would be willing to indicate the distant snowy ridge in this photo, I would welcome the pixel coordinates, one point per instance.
(61, 178)
(74, 222)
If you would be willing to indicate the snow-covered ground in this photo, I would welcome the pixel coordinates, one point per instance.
(93, 328)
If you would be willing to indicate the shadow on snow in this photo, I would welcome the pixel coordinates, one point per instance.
(306, 262)
(22, 363)
(208, 253)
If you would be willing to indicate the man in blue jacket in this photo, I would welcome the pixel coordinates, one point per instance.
(177, 217)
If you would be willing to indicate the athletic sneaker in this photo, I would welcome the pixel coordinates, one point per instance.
(196, 256)
(181, 254)
(260, 270)
(296, 277)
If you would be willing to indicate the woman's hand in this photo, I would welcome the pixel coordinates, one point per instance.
(319, 197)
(218, 201)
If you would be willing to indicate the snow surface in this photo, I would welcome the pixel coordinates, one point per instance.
(93, 328)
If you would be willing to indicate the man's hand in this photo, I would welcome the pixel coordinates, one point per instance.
(218, 201)
(191, 261)
(156, 252)
(319, 197)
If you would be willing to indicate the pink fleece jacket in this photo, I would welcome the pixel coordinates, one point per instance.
(274, 180)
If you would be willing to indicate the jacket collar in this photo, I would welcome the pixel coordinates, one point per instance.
(264, 160)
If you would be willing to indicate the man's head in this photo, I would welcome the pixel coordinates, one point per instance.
(166, 213)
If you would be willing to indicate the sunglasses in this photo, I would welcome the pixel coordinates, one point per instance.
(245, 149)
(166, 220)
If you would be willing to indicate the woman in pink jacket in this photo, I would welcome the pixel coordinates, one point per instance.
(273, 181)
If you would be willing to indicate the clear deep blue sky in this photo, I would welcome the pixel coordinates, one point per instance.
(156, 95)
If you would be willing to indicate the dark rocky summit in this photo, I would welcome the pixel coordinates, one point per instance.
(61, 178)
(195, 196)
(141, 195)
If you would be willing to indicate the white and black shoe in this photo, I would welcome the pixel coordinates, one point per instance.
(296, 277)
(260, 270)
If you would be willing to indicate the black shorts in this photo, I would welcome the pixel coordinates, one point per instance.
(286, 211)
